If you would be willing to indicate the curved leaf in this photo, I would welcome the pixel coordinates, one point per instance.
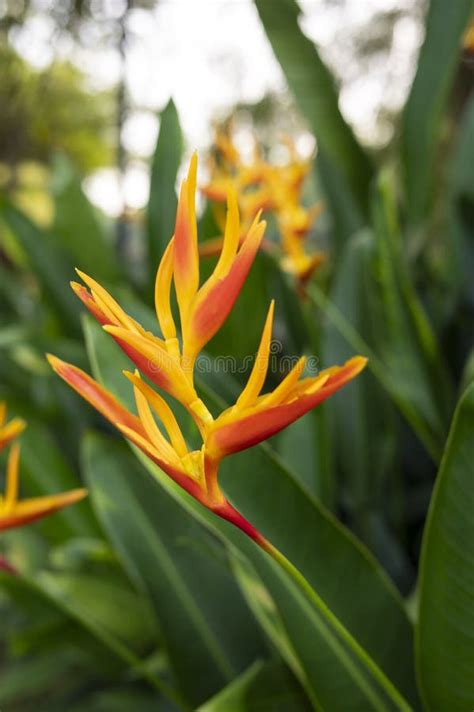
(445, 630)
(161, 210)
(76, 223)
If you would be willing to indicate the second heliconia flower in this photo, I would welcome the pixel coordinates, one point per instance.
(168, 361)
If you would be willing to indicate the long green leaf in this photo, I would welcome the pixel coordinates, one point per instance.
(445, 630)
(206, 626)
(161, 210)
(423, 113)
(50, 264)
(314, 90)
(77, 226)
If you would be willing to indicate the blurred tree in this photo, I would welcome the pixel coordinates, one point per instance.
(89, 23)
(43, 111)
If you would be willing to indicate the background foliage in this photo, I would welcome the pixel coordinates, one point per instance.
(137, 597)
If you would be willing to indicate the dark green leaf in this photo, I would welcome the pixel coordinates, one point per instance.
(161, 211)
(264, 687)
(445, 630)
(49, 263)
(207, 628)
(77, 226)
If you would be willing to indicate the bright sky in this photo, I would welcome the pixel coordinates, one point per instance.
(210, 54)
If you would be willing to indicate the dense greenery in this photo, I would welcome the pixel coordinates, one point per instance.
(138, 597)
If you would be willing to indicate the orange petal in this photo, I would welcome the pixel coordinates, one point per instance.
(246, 431)
(217, 297)
(28, 510)
(97, 396)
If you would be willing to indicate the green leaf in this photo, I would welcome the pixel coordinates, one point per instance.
(314, 90)
(76, 225)
(445, 630)
(315, 543)
(207, 628)
(161, 211)
(36, 676)
(429, 94)
(97, 607)
(264, 687)
(49, 263)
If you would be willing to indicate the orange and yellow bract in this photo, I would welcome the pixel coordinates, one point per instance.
(168, 361)
(276, 189)
(15, 512)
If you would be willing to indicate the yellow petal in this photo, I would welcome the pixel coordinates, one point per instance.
(108, 304)
(164, 412)
(283, 390)
(259, 371)
(10, 431)
(164, 276)
(231, 235)
(11, 491)
(29, 510)
(155, 435)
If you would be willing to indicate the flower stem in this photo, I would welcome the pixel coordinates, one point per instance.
(343, 634)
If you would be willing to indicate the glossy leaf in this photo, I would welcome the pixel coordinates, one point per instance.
(445, 630)
(207, 628)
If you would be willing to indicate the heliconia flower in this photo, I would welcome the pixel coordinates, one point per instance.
(15, 512)
(275, 189)
(169, 363)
